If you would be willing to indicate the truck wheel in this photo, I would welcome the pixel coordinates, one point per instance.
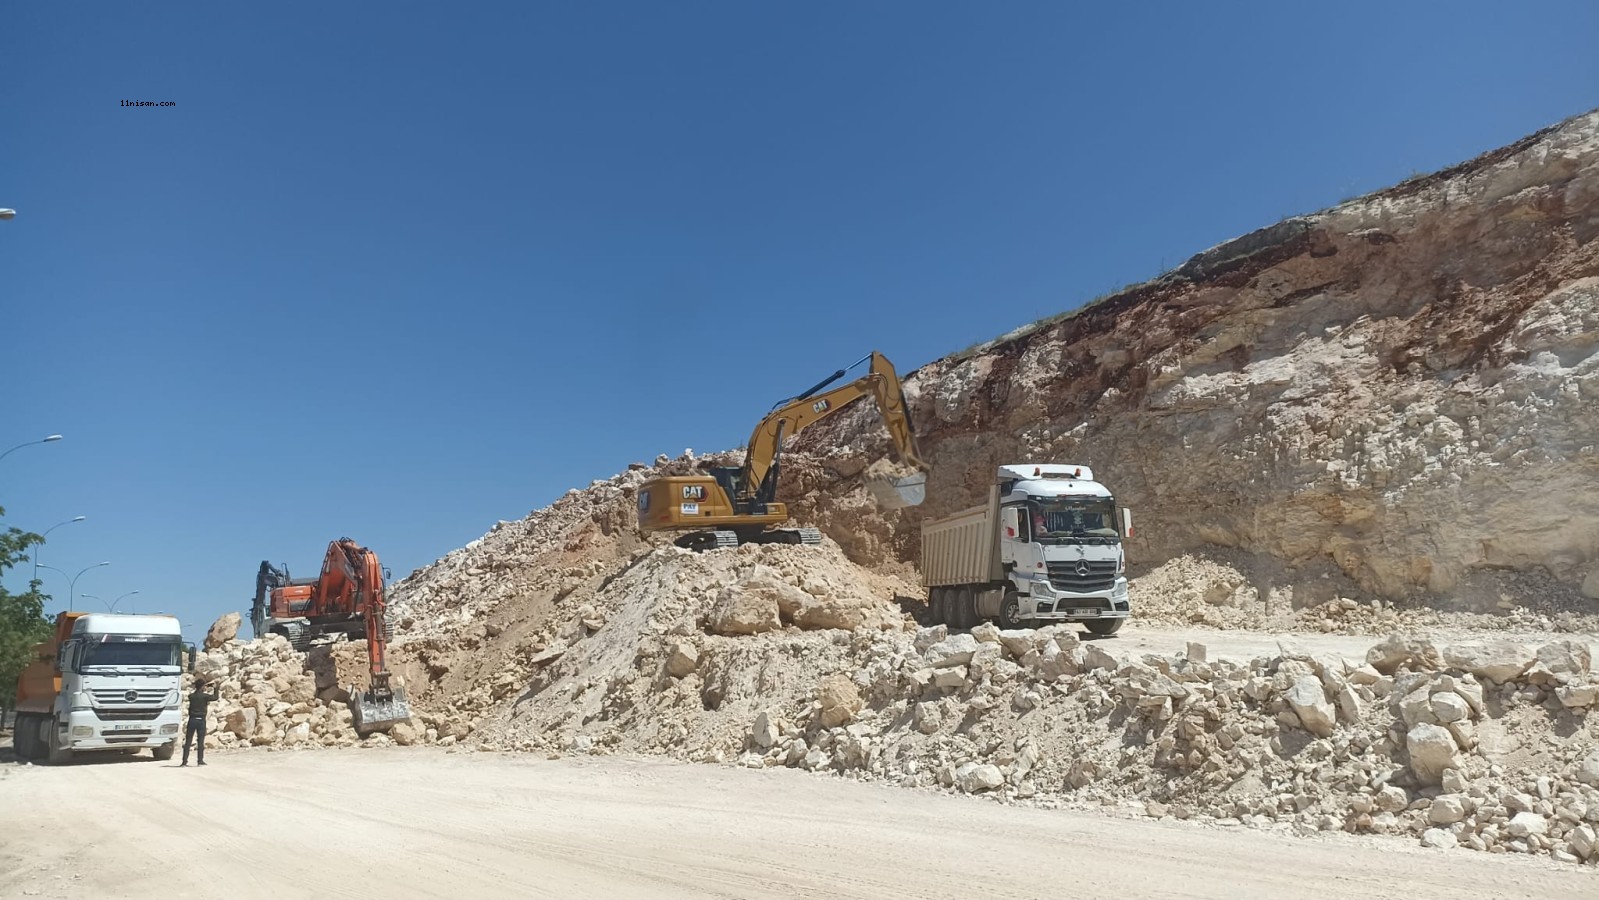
(941, 606)
(22, 732)
(1010, 611)
(933, 595)
(1104, 626)
(965, 615)
(59, 755)
(165, 751)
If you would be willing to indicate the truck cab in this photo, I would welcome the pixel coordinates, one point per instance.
(1061, 541)
(103, 682)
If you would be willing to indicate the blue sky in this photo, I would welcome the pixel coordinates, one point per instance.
(397, 272)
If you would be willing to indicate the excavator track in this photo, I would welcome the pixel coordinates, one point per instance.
(701, 541)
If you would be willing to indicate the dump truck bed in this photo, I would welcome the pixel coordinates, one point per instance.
(962, 548)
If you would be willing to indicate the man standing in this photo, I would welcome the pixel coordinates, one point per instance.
(199, 701)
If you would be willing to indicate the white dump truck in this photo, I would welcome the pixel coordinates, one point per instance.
(1046, 547)
(103, 683)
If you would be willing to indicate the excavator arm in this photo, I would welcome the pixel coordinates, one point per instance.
(352, 582)
(762, 456)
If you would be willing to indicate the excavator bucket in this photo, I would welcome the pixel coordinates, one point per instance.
(898, 493)
(377, 710)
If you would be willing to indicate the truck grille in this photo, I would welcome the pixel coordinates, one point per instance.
(119, 696)
(1082, 576)
(126, 715)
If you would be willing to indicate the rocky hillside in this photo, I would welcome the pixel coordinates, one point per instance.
(1398, 396)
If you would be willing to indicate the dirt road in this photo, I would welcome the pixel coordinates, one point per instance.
(1240, 646)
(426, 823)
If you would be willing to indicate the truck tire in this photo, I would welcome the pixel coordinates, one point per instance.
(23, 732)
(1104, 627)
(940, 604)
(165, 751)
(1010, 611)
(965, 614)
(58, 754)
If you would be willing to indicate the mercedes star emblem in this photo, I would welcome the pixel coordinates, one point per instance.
(131, 696)
(1082, 568)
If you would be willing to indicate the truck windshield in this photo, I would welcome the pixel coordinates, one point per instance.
(1061, 519)
(114, 652)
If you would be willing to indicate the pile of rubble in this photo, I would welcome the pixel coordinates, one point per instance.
(793, 657)
(270, 695)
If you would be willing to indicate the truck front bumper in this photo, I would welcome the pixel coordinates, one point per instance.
(1050, 605)
(87, 731)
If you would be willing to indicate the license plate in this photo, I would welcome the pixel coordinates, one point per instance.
(1088, 613)
(126, 726)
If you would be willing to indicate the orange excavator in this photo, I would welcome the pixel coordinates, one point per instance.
(347, 598)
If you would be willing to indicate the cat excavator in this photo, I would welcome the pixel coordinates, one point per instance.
(347, 598)
(735, 505)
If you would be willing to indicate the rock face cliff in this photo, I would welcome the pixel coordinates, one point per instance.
(1398, 395)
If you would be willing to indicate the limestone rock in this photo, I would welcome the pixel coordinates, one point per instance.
(241, 722)
(405, 734)
(1439, 838)
(1432, 749)
(955, 650)
(1309, 702)
(224, 629)
(1588, 771)
(974, 777)
(1498, 662)
(1565, 658)
(1416, 654)
(682, 659)
(1449, 707)
(840, 699)
(1525, 824)
(741, 611)
(764, 732)
(1446, 809)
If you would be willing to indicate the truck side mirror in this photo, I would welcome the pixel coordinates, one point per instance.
(1127, 522)
(1011, 522)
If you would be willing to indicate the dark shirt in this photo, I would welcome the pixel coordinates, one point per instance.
(198, 701)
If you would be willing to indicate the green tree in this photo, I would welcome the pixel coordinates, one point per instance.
(22, 621)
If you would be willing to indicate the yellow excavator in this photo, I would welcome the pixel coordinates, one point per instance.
(734, 505)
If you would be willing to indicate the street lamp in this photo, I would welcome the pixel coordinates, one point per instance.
(72, 586)
(46, 534)
(93, 597)
(53, 437)
(120, 599)
(8, 214)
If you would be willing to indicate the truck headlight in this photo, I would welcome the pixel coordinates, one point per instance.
(1040, 588)
(82, 731)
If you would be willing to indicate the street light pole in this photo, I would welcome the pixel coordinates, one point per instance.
(93, 597)
(120, 599)
(72, 586)
(46, 440)
(8, 214)
(46, 534)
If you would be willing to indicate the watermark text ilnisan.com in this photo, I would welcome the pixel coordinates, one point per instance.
(149, 103)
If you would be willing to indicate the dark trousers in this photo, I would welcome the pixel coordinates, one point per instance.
(195, 729)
